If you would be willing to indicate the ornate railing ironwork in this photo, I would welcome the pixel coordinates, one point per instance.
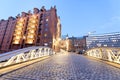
(24, 54)
(106, 53)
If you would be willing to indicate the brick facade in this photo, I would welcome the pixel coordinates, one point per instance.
(30, 29)
(78, 43)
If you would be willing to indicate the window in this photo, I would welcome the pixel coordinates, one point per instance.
(47, 20)
(45, 35)
(46, 29)
(46, 24)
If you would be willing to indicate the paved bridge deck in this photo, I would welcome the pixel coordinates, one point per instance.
(65, 67)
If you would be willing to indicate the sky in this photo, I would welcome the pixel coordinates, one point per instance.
(78, 17)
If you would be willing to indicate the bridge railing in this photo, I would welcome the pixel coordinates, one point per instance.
(105, 53)
(24, 54)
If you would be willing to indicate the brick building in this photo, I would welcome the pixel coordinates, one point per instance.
(8, 31)
(66, 43)
(39, 28)
(79, 43)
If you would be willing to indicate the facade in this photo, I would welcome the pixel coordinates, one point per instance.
(79, 43)
(3, 26)
(57, 38)
(73, 43)
(39, 28)
(66, 44)
(5, 45)
(103, 40)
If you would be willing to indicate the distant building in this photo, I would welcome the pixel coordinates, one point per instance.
(40, 28)
(103, 40)
(63, 37)
(66, 43)
(78, 43)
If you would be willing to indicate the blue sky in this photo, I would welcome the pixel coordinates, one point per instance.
(78, 17)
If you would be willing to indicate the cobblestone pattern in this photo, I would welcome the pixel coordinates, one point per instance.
(65, 67)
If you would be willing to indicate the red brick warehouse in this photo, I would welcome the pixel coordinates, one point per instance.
(39, 28)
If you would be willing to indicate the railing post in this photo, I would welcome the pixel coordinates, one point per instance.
(101, 54)
(109, 55)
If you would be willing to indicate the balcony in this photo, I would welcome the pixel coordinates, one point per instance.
(33, 27)
(17, 37)
(30, 41)
(19, 29)
(30, 37)
(17, 32)
(16, 41)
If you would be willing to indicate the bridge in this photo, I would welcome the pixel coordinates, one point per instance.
(111, 54)
(61, 66)
(23, 55)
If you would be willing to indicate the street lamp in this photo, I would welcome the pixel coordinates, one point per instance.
(91, 32)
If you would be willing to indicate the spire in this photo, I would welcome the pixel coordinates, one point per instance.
(29, 12)
(55, 6)
(67, 36)
(18, 15)
(35, 10)
(43, 8)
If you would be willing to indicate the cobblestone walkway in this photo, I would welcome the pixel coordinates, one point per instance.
(65, 67)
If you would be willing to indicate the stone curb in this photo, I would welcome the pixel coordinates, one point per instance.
(105, 61)
(9, 69)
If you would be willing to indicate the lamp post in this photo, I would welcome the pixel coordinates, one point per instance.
(91, 32)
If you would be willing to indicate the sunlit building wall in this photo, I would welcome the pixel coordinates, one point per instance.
(19, 31)
(57, 40)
